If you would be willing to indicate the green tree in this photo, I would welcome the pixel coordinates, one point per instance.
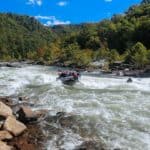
(114, 56)
(83, 58)
(54, 52)
(138, 55)
(102, 53)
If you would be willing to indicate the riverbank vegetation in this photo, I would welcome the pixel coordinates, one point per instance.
(124, 37)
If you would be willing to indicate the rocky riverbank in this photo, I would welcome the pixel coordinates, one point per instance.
(24, 129)
(86, 70)
(18, 126)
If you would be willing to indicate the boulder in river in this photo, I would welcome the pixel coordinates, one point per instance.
(5, 135)
(5, 110)
(26, 115)
(14, 126)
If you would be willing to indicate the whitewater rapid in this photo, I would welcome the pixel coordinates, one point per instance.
(119, 112)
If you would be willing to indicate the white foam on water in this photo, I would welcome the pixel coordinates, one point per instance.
(118, 111)
(142, 84)
(68, 141)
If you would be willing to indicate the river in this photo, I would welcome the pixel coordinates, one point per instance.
(116, 111)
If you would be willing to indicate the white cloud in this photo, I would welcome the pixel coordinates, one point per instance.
(52, 20)
(34, 2)
(108, 0)
(62, 3)
(44, 17)
(56, 22)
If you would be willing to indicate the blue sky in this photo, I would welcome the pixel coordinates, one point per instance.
(53, 12)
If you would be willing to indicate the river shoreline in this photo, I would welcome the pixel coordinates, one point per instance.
(140, 73)
(30, 138)
(37, 135)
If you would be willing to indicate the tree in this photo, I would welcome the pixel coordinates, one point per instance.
(138, 55)
(142, 33)
(102, 53)
(83, 58)
(69, 53)
(114, 56)
(54, 52)
(88, 37)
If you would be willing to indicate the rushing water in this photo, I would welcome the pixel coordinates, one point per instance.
(117, 111)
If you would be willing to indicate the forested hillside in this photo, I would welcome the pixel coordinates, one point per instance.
(124, 37)
(21, 36)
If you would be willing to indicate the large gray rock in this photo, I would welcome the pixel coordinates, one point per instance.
(4, 146)
(5, 135)
(5, 110)
(14, 126)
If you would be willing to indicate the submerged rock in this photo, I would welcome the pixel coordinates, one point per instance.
(7, 101)
(91, 145)
(14, 126)
(10, 64)
(5, 110)
(129, 80)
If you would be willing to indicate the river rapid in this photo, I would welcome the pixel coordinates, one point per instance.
(115, 111)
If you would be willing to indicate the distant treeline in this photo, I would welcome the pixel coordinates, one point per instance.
(122, 38)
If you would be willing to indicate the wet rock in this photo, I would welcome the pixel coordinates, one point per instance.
(60, 114)
(40, 62)
(5, 135)
(14, 65)
(4, 146)
(129, 80)
(32, 139)
(68, 121)
(91, 145)
(10, 64)
(26, 137)
(55, 118)
(26, 115)
(41, 114)
(23, 98)
(5, 100)
(14, 126)
(5, 110)
(24, 144)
